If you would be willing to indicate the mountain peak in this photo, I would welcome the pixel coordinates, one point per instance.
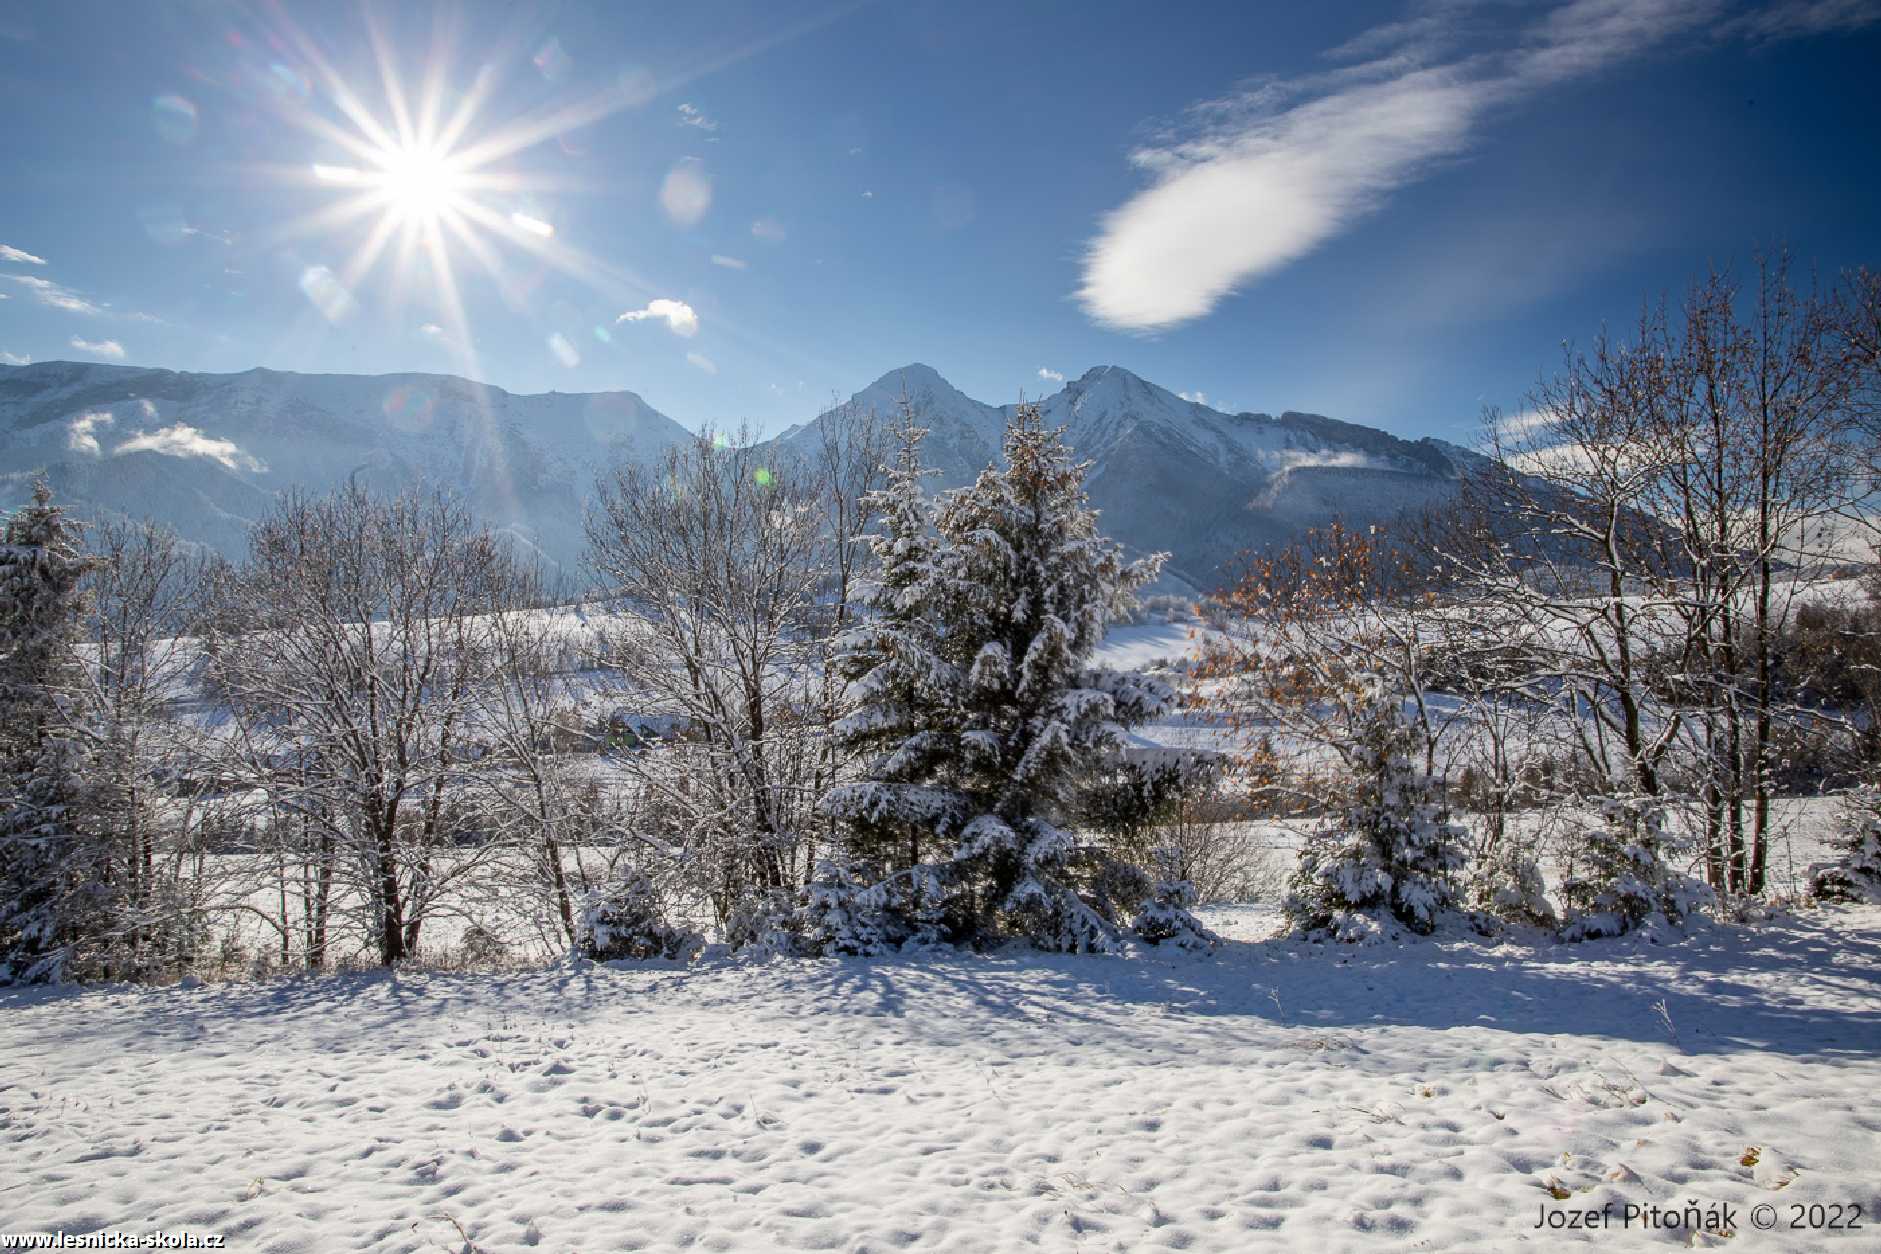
(914, 375)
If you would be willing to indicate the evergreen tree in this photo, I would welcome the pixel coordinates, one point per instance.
(1393, 851)
(1624, 880)
(52, 890)
(978, 711)
(1856, 874)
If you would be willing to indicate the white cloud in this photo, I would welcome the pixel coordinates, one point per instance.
(58, 297)
(1050, 375)
(100, 348)
(868, 195)
(1304, 459)
(182, 440)
(563, 350)
(1258, 179)
(533, 226)
(768, 229)
(431, 330)
(14, 359)
(703, 362)
(689, 115)
(19, 256)
(1194, 398)
(730, 263)
(686, 192)
(79, 433)
(1523, 425)
(677, 314)
(1793, 19)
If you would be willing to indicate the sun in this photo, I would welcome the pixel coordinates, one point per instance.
(425, 175)
(419, 183)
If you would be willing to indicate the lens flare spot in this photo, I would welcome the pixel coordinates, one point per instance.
(321, 286)
(686, 192)
(175, 117)
(564, 351)
(762, 477)
(534, 226)
(408, 409)
(600, 333)
(285, 80)
(551, 60)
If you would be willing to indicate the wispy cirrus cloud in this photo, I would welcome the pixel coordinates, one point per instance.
(1250, 182)
(702, 362)
(183, 440)
(19, 256)
(728, 263)
(99, 348)
(678, 316)
(55, 295)
(690, 115)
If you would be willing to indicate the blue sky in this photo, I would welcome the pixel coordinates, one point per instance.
(1390, 213)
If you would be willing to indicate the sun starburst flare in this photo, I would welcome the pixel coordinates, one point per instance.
(425, 179)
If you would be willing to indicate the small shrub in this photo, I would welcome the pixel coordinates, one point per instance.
(849, 910)
(1166, 917)
(1394, 851)
(625, 919)
(1625, 880)
(1507, 885)
(1855, 875)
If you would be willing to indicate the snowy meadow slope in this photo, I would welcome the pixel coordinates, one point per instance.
(1448, 1094)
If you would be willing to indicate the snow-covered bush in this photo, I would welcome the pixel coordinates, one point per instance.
(767, 924)
(1856, 874)
(849, 910)
(1623, 879)
(1392, 852)
(625, 919)
(1167, 917)
(1507, 885)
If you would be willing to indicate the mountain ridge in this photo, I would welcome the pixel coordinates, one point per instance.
(206, 453)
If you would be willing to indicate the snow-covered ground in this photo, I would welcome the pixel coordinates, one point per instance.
(1438, 1095)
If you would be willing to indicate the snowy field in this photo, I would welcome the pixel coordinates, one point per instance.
(1438, 1095)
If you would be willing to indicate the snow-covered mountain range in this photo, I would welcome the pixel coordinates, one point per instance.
(1172, 474)
(207, 453)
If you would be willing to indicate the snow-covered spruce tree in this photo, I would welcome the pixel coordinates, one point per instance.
(978, 714)
(1393, 851)
(624, 918)
(52, 892)
(1622, 880)
(1856, 874)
